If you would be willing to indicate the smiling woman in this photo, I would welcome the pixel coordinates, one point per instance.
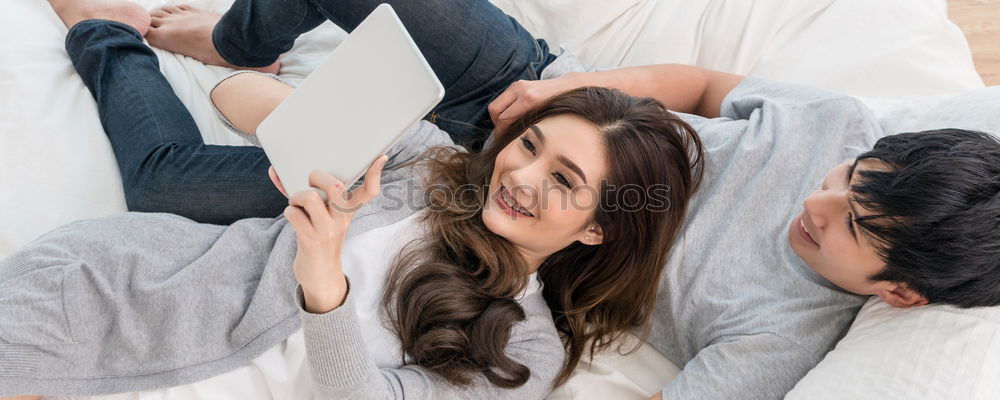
(568, 190)
(588, 190)
(493, 292)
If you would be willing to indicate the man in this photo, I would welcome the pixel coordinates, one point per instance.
(770, 271)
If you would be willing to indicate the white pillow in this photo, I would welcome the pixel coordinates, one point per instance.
(975, 110)
(934, 352)
(888, 48)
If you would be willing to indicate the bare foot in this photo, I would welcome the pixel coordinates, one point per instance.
(73, 11)
(187, 30)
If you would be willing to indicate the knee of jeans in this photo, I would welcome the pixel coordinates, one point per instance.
(147, 180)
(144, 195)
(158, 195)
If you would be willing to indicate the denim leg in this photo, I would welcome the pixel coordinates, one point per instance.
(164, 163)
(253, 33)
(475, 49)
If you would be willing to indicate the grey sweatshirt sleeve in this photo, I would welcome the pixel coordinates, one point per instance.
(779, 100)
(342, 368)
(752, 367)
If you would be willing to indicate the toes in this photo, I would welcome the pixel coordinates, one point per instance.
(171, 9)
(158, 13)
(152, 35)
(185, 7)
(142, 26)
(155, 22)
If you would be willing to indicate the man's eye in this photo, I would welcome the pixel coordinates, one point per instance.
(850, 223)
(528, 145)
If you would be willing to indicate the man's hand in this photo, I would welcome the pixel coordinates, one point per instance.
(523, 96)
(680, 88)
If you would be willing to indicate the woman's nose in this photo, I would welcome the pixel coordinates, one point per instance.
(526, 181)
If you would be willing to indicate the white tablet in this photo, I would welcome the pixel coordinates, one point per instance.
(358, 103)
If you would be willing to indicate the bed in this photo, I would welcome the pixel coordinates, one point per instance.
(904, 57)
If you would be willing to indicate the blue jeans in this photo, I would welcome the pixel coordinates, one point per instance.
(473, 47)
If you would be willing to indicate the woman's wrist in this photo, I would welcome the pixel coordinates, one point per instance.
(323, 297)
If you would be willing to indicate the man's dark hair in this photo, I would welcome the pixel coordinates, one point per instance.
(936, 214)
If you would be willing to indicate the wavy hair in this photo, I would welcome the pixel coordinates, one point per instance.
(450, 296)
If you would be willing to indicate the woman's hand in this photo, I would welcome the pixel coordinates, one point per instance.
(320, 228)
(523, 96)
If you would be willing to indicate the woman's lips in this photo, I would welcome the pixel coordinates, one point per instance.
(507, 209)
(801, 227)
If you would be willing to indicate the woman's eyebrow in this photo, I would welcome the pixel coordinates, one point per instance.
(538, 132)
(569, 164)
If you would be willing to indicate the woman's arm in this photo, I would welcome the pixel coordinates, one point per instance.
(335, 347)
(245, 99)
(681, 88)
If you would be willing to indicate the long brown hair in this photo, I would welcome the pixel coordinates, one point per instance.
(450, 296)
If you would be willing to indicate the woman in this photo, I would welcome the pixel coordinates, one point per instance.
(633, 134)
(104, 306)
(460, 295)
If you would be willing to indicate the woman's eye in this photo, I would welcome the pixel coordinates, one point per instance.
(562, 179)
(528, 145)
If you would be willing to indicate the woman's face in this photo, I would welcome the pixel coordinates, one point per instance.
(544, 189)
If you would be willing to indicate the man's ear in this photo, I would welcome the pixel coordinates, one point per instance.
(593, 235)
(899, 295)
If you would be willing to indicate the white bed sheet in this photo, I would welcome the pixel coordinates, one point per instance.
(58, 166)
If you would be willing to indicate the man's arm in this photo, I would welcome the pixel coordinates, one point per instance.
(763, 366)
(681, 88)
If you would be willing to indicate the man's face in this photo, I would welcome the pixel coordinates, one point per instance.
(826, 237)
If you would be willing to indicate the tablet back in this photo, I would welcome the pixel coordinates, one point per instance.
(359, 102)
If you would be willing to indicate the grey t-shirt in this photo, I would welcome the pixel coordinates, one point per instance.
(737, 310)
